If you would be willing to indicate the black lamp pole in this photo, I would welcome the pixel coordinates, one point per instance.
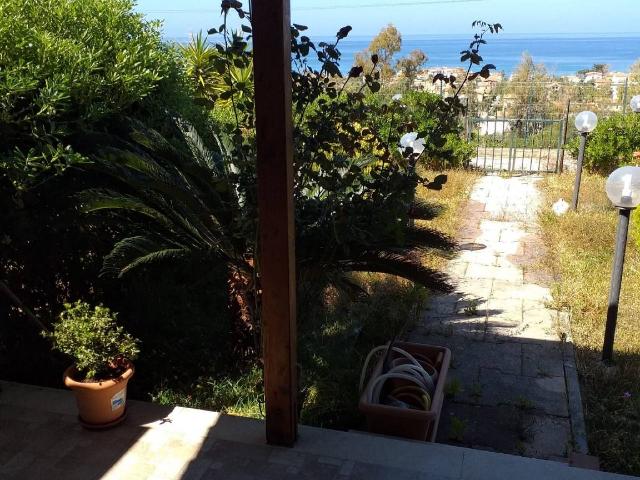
(616, 282)
(576, 187)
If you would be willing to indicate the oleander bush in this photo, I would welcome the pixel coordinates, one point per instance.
(611, 144)
(66, 65)
(439, 124)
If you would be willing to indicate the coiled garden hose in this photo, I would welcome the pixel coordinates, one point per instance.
(422, 374)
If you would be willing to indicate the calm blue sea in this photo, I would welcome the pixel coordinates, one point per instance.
(561, 54)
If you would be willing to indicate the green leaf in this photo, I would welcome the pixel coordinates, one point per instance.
(441, 179)
(343, 32)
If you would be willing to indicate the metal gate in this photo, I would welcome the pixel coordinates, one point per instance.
(519, 145)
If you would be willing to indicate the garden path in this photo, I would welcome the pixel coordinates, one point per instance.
(513, 386)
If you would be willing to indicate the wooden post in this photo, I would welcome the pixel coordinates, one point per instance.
(274, 137)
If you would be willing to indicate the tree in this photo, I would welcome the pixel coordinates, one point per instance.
(603, 68)
(527, 87)
(410, 65)
(612, 144)
(634, 71)
(385, 45)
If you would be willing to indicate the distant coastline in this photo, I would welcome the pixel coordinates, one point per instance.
(561, 54)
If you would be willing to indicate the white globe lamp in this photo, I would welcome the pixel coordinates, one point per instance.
(586, 122)
(623, 189)
(411, 140)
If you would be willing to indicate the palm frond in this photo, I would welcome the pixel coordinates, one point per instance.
(199, 172)
(348, 285)
(201, 154)
(133, 252)
(145, 175)
(136, 162)
(425, 210)
(175, 219)
(95, 199)
(428, 238)
(153, 257)
(400, 264)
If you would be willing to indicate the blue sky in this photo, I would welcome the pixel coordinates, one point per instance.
(411, 17)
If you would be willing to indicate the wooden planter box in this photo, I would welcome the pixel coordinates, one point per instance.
(406, 422)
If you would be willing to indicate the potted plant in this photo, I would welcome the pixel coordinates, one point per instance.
(102, 353)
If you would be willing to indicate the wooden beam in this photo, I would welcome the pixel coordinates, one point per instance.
(272, 74)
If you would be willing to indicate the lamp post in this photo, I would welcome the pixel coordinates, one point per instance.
(623, 189)
(585, 123)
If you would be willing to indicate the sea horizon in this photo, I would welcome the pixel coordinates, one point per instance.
(561, 54)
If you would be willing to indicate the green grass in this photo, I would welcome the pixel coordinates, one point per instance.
(580, 253)
(335, 333)
(335, 336)
(453, 197)
(238, 396)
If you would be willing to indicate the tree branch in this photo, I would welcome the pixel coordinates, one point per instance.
(18, 303)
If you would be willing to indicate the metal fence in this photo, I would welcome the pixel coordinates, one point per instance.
(525, 126)
(523, 145)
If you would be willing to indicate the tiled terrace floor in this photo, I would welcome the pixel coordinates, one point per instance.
(517, 391)
(40, 438)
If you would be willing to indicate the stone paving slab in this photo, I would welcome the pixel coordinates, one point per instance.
(507, 344)
(174, 443)
(543, 394)
(541, 361)
(516, 431)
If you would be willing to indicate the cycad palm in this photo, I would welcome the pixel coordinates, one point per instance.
(179, 202)
(188, 202)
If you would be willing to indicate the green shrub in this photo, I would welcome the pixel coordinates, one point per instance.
(611, 144)
(93, 340)
(437, 123)
(66, 65)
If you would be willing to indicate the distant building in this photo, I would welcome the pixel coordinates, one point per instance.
(571, 78)
(617, 82)
(617, 78)
(493, 127)
(593, 76)
(447, 71)
(424, 79)
(482, 86)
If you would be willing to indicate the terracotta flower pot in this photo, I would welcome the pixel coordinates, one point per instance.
(100, 404)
